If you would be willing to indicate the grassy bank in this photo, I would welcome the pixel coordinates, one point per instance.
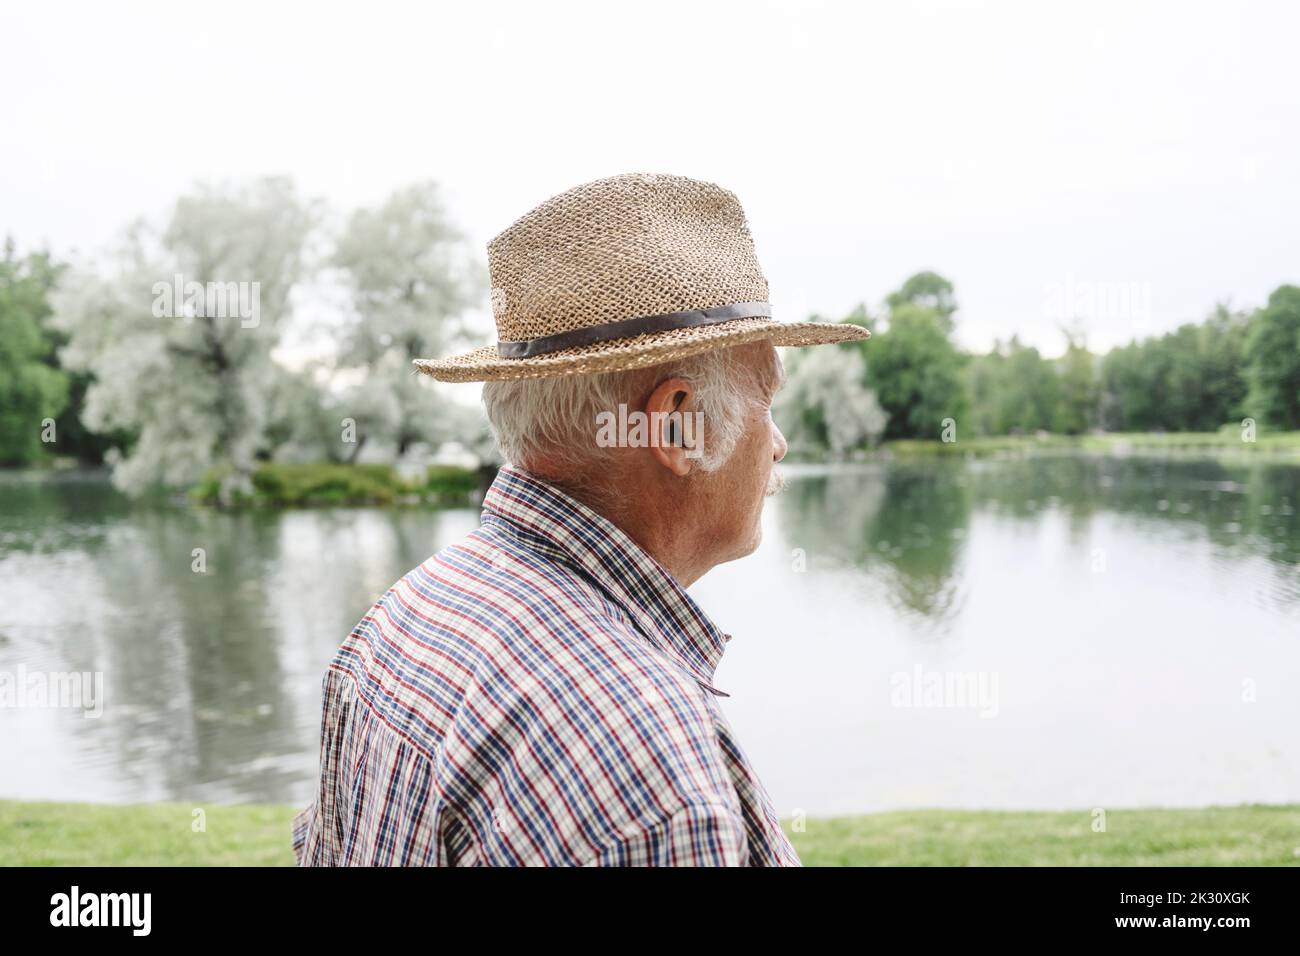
(281, 484)
(70, 834)
(1226, 441)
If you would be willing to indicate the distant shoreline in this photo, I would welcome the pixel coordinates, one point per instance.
(1283, 444)
(329, 484)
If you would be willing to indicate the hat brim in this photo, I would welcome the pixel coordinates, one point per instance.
(485, 364)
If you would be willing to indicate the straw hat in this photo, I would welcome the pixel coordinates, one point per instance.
(625, 272)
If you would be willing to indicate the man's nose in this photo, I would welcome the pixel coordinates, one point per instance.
(779, 447)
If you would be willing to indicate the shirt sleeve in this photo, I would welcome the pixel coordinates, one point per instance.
(699, 834)
(377, 803)
(315, 831)
(301, 827)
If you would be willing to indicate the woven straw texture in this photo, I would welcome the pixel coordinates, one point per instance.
(616, 249)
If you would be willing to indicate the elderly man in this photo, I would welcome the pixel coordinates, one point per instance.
(542, 692)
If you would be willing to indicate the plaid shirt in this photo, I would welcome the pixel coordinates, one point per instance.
(540, 693)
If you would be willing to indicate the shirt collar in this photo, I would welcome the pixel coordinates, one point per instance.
(641, 585)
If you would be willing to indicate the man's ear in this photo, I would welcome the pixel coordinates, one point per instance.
(666, 410)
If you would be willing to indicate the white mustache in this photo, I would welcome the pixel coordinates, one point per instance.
(775, 483)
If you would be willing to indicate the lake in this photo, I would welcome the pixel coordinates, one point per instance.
(1049, 632)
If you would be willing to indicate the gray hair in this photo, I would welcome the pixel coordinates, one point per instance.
(554, 419)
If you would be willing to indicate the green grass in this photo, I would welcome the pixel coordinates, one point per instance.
(1216, 836)
(1225, 441)
(285, 484)
(83, 834)
(74, 834)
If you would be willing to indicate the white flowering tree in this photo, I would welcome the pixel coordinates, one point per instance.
(825, 407)
(412, 279)
(177, 329)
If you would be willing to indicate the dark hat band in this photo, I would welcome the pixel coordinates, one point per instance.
(624, 328)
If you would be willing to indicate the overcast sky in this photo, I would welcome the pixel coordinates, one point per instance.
(1127, 165)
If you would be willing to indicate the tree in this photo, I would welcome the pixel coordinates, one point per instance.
(929, 290)
(983, 376)
(1191, 379)
(1221, 378)
(1131, 392)
(916, 373)
(32, 391)
(188, 370)
(1273, 360)
(305, 421)
(411, 278)
(1028, 396)
(825, 406)
(1076, 389)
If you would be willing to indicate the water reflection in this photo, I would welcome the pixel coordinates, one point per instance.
(212, 678)
(906, 522)
(903, 523)
(211, 630)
